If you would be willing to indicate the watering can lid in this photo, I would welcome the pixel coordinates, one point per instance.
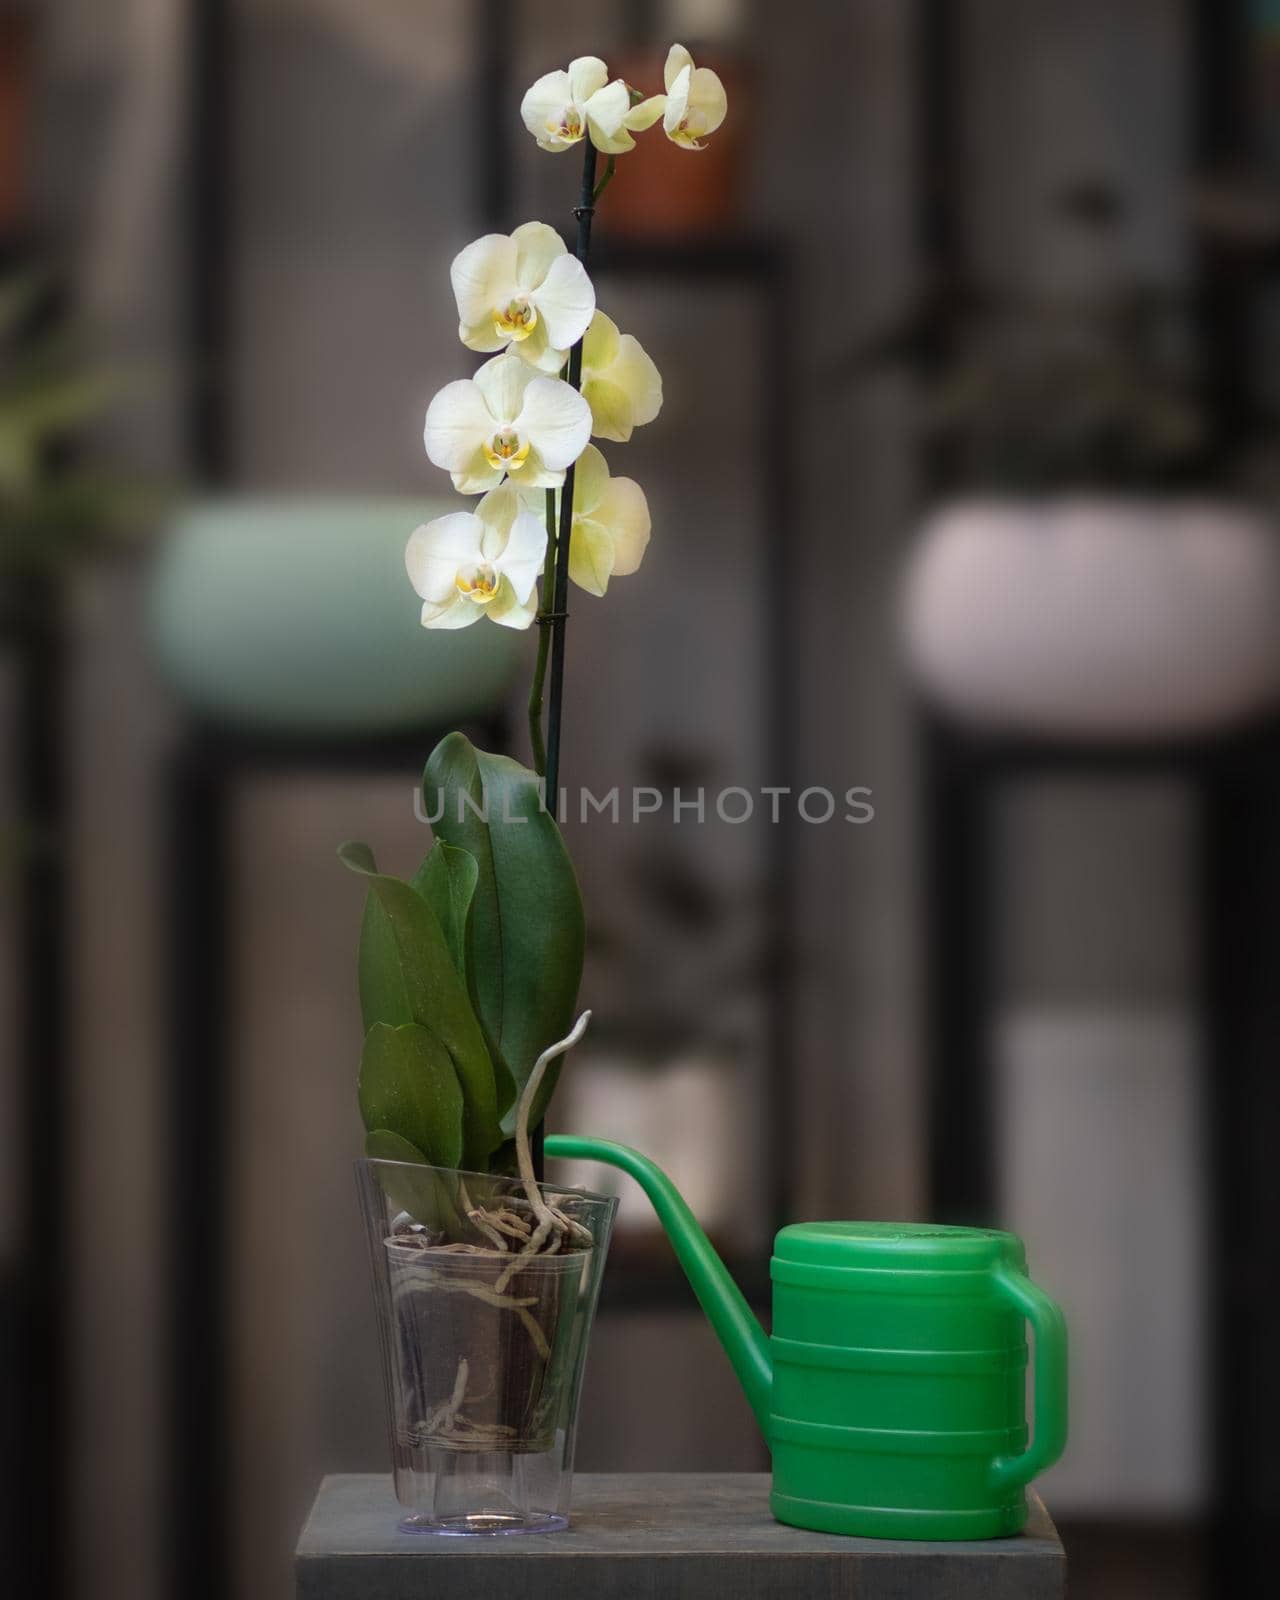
(906, 1245)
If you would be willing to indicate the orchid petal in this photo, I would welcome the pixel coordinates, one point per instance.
(538, 352)
(606, 114)
(457, 421)
(565, 301)
(678, 58)
(496, 513)
(482, 336)
(477, 476)
(526, 550)
(590, 479)
(590, 556)
(484, 276)
(586, 75)
(538, 245)
(612, 416)
(502, 383)
(556, 419)
(600, 346)
(645, 114)
(507, 611)
(633, 370)
(624, 511)
(677, 100)
(456, 613)
(537, 475)
(708, 103)
(437, 549)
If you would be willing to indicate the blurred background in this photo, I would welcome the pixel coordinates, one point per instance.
(963, 492)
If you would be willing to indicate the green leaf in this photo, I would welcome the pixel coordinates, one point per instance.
(407, 968)
(414, 1192)
(381, 1144)
(408, 1086)
(446, 880)
(383, 995)
(525, 932)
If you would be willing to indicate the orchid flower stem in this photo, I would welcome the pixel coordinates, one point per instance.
(600, 188)
(584, 211)
(544, 641)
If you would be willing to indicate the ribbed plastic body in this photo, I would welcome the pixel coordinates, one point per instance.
(899, 1381)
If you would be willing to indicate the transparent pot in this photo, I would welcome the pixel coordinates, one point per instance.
(483, 1354)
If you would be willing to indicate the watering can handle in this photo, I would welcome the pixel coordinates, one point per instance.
(1049, 1435)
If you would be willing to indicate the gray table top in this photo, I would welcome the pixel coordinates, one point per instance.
(639, 1536)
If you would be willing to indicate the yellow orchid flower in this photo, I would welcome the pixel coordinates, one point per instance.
(481, 563)
(564, 107)
(610, 523)
(507, 420)
(522, 291)
(619, 381)
(696, 103)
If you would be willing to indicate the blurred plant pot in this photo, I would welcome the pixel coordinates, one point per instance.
(292, 616)
(17, 60)
(1096, 617)
(662, 191)
(482, 1359)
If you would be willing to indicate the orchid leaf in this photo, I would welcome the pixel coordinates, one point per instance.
(382, 1145)
(525, 933)
(408, 1087)
(416, 1192)
(407, 975)
(446, 880)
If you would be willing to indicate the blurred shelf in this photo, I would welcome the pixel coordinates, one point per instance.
(999, 753)
(241, 750)
(744, 257)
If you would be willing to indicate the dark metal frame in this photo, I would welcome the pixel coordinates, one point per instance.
(34, 1308)
(206, 769)
(36, 1304)
(1235, 778)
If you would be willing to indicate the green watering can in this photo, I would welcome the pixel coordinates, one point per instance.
(892, 1392)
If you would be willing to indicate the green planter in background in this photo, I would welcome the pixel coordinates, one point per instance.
(294, 616)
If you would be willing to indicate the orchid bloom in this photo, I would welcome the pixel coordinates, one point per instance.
(561, 108)
(481, 563)
(523, 291)
(610, 524)
(695, 101)
(507, 420)
(619, 381)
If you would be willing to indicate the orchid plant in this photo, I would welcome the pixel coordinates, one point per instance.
(469, 971)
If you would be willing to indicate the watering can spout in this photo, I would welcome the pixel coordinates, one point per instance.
(735, 1325)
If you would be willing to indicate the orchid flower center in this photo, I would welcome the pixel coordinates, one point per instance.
(506, 451)
(516, 320)
(569, 126)
(688, 129)
(478, 583)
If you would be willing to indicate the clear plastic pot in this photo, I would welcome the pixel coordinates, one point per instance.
(483, 1354)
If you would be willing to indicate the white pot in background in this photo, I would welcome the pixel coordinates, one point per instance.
(1096, 617)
